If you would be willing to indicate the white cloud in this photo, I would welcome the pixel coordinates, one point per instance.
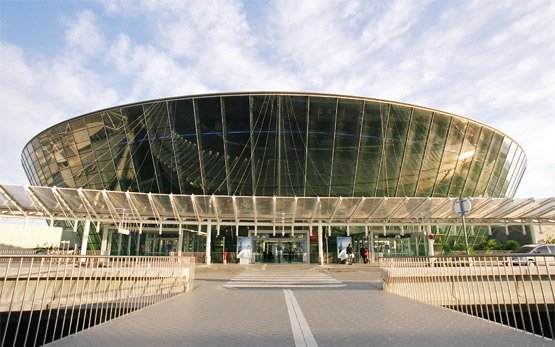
(38, 94)
(83, 35)
(490, 61)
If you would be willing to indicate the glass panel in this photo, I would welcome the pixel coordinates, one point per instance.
(412, 208)
(397, 126)
(305, 207)
(225, 207)
(185, 207)
(265, 115)
(238, 145)
(347, 135)
(138, 143)
(72, 199)
(265, 207)
(414, 152)
(507, 171)
(367, 208)
(18, 194)
(284, 209)
(327, 206)
(47, 198)
(450, 156)
(546, 211)
(371, 145)
(293, 139)
(209, 115)
(465, 159)
(432, 157)
(204, 207)
(4, 202)
(141, 203)
(498, 169)
(345, 208)
(161, 147)
(489, 162)
(245, 206)
(478, 161)
(386, 207)
(445, 210)
(320, 143)
(163, 205)
(97, 201)
(519, 170)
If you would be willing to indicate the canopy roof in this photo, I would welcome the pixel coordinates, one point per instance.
(52, 203)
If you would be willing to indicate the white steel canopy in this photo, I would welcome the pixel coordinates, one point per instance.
(52, 203)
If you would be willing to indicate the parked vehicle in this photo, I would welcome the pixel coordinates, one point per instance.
(534, 254)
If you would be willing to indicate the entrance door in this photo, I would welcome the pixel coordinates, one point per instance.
(281, 250)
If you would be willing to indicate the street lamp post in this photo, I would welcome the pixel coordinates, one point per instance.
(462, 207)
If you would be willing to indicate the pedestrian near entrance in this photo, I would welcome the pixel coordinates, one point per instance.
(350, 254)
(364, 254)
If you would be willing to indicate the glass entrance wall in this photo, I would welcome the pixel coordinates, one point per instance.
(276, 144)
(281, 247)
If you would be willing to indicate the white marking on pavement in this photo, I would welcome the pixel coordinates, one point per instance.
(303, 279)
(301, 331)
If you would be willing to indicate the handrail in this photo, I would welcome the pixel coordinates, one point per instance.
(516, 290)
(46, 297)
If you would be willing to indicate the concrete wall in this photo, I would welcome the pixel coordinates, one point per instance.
(543, 233)
(20, 236)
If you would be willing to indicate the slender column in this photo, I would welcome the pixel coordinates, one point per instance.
(533, 232)
(138, 247)
(320, 244)
(85, 238)
(129, 244)
(104, 242)
(208, 241)
(180, 241)
(371, 246)
(109, 248)
(119, 243)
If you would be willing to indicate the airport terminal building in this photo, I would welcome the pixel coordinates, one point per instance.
(287, 174)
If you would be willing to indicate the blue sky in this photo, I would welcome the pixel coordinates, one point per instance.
(489, 60)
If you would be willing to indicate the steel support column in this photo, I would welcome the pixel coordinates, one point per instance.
(208, 242)
(85, 238)
(371, 245)
(180, 241)
(104, 242)
(320, 244)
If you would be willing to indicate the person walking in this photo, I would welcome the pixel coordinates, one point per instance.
(349, 252)
(364, 253)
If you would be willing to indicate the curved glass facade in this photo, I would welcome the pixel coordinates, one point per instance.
(283, 144)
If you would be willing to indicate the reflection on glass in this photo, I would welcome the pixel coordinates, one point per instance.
(268, 144)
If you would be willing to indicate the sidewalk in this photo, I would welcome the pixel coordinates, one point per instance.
(358, 314)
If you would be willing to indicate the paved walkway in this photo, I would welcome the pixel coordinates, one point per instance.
(344, 306)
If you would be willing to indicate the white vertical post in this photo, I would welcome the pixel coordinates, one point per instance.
(85, 238)
(119, 243)
(208, 241)
(104, 242)
(139, 238)
(129, 244)
(372, 252)
(180, 241)
(533, 232)
(320, 244)
(109, 248)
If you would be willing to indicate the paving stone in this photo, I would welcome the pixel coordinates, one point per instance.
(359, 314)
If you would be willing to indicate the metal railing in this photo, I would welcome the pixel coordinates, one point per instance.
(517, 291)
(44, 298)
